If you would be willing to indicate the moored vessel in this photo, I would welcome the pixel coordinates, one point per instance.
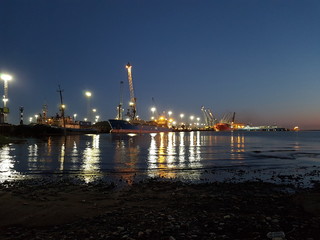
(222, 127)
(137, 126)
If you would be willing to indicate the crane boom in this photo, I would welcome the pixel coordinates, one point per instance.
(128, 66)
(132, 97)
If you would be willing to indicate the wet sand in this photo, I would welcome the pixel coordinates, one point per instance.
(157, 209)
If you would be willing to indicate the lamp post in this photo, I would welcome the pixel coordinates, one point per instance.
(5, 111)
(191, 120)
(88, 96)
(181, 116)
(153, 109)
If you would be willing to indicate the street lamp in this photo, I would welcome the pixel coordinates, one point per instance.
(5, 78)
(191, 119)
(88, 95)
(169, 113)
(153, 109)
(74, 116)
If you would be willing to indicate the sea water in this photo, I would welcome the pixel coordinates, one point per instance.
(192, 156)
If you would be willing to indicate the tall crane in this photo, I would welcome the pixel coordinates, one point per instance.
(132, 112)
(208, 117)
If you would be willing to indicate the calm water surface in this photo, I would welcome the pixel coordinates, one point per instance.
(185, 155)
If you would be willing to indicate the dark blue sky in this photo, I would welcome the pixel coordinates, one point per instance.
(258, 58)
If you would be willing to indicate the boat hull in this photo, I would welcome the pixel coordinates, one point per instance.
(222, 127)
(122, 126)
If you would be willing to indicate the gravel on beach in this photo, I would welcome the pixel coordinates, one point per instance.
(157, 209)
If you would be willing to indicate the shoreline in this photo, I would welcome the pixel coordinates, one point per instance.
(64, 208)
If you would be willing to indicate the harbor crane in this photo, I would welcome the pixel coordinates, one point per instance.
(132, 112)
(208, 117)
(228, 118)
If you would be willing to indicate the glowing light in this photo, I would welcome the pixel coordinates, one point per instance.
(88, 94)
(6, 77)
(94, 110)
(132, 134)
(153, 109)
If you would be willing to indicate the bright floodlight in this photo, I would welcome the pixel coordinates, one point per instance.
(6, 77)
(88, 94)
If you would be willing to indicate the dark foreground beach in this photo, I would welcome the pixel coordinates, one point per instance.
(157, 209)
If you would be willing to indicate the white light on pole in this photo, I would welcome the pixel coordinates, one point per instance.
(88, 95)
(153, 109)
(5, 99)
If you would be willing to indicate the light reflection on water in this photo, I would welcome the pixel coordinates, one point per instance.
(170, 155)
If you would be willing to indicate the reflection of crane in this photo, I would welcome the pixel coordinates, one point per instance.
(133, 100)
(208, 117)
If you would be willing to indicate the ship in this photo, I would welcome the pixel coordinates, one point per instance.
(222, 127)
(134, 124)
(137, 126)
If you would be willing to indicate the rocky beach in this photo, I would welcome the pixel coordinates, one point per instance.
(61, 208)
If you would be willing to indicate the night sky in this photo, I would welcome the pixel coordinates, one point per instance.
(260, 59)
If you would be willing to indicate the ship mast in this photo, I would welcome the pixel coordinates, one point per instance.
(132, 112)
(120, 109)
